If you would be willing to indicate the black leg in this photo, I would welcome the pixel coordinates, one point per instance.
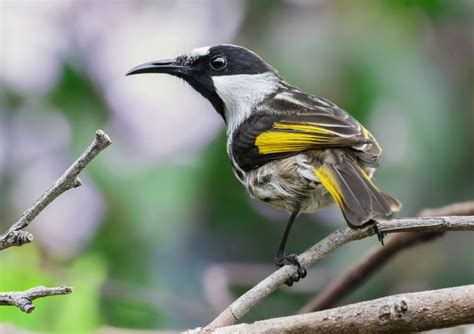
(281, 249)
(281, 259)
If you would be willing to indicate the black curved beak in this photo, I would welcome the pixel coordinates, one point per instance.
(169, 66)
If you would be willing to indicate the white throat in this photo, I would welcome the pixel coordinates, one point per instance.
(240, 93)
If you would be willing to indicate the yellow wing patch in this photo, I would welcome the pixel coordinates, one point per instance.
(278, 142)
(308, 136)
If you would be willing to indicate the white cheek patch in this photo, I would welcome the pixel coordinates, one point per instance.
(200, 51)
(241, 92)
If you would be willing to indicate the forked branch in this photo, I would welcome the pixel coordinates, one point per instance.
(248, 300)
(24, 299)
(17, 236)
(379, 256)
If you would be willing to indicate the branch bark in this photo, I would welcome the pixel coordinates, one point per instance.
(24, 299)
(354, 277)
(248, 300)
(379, 256)
(16, 235)
(409, 312)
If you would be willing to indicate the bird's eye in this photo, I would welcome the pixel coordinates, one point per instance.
(218, 63)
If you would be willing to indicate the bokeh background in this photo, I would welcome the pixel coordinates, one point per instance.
(161, 234)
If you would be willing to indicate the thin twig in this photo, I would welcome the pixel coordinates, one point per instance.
(248, 300)
(403, 313)
(24, 299)
(379, 256)
(16, 236)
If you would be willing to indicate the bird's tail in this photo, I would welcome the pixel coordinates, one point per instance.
(359, 199)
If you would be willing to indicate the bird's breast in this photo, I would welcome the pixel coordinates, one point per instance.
(285, 184)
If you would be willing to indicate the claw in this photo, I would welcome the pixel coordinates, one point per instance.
(380, 235)
(281, 260)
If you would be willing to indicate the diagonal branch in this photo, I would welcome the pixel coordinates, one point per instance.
(248, 300)
(403, 313)
(455, 209)
(357, 274)
(16, 235)
(379, 256)
(24, 299)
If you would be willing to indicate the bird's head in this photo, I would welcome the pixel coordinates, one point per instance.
(231, 77)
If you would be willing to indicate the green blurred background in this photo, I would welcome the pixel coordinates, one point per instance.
(161, 234)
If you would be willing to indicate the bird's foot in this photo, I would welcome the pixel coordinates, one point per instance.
(380, 235)
(281, 259)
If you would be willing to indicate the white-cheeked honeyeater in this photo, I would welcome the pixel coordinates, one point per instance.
(295, 151)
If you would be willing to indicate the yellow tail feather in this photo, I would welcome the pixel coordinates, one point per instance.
(358, 198)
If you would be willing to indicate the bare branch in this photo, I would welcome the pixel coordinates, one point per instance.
(379, 256)
(409, 312)
(357, 274)
(24, 299)
(426, 224)
(218, 280)
(455, 209)
(248, 300)
(16, 236)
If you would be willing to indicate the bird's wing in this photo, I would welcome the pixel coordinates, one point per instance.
(269, 135)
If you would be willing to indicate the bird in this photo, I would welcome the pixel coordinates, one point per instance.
(295, 151)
